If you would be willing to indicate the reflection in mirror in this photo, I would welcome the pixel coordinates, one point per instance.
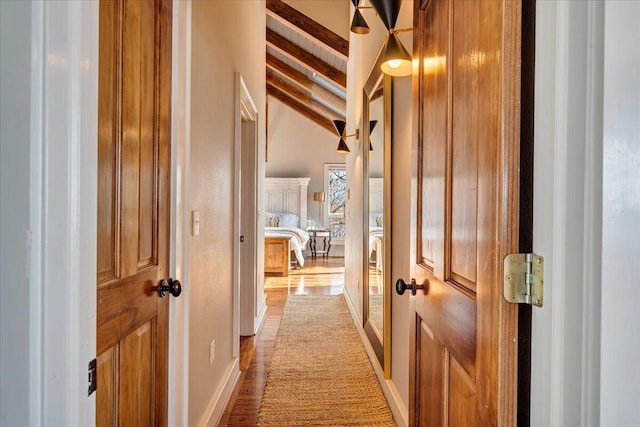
(377, 178)
(376, 215)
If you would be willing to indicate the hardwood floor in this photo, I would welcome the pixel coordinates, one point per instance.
(318, 277)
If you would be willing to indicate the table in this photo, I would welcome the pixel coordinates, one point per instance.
(314, 235)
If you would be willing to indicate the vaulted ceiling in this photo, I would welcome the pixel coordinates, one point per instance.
(306, 65)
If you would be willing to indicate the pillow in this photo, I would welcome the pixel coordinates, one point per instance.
(272, 221)
(289, 220)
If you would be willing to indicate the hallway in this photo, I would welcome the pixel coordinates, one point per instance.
(319, 277)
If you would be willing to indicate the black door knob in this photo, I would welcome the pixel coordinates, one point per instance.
(401, 286)
(171, 286)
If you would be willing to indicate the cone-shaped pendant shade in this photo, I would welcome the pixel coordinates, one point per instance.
(342, 147)
(396, 60)
(340, 126)
(388, 10)
(358, 24)
(372, 126)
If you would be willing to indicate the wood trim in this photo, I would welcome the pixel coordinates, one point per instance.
(299, 78)
(526, 203)
(164, 32)
(300, 95)
(305, 59)
(300, 108)
(509, 151)
(304, 25)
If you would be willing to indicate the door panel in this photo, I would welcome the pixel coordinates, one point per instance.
(462, 182)
(462, 394)
(434, 123)
(133, 211)
(136, 377)
(107, 382)
(430, 371)
(465, 218)
(108, 233)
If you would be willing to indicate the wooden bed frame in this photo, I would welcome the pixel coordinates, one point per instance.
(283, 195)
(277, 256)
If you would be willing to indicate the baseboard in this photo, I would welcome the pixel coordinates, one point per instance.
(262, 314)
(398, 409)
(221, 396)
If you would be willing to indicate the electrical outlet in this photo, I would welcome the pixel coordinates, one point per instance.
(212, 352)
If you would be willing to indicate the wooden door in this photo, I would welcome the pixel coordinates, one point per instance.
(133, 211)
(465, 212)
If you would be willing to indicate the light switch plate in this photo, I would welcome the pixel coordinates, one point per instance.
(195, 223)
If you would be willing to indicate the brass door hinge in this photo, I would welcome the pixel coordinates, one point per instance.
(523, 278)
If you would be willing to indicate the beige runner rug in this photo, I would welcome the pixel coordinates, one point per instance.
(320, 374)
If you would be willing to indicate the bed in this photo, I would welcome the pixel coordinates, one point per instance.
(376, 223)
(285, 219)
(376, 244)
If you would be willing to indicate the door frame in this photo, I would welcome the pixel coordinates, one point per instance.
(249, 303)
(63, 195)
(77, 22)
(178, 381)
(61, 260)
(565, 366)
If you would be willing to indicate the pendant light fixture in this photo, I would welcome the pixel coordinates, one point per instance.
(372, 125)
(396, 61)
(358, 24)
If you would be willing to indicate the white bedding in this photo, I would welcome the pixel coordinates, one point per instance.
(297, 236)
(375, 242)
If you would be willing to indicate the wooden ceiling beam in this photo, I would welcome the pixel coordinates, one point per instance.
(312, 115)
(299, 78)
(304, 25)
(305, 59)
(301, 96)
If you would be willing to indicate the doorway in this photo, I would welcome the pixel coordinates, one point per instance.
(250, 304)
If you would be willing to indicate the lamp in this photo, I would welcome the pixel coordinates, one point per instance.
(396, 61)
(343, 148)
(320, 197)
(372, 125)
(358, 24)
(340, 126)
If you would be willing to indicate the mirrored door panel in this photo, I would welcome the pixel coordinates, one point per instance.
(377, 215)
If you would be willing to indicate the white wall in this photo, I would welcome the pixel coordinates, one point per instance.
(299, 147)
(400, 265)
(15, 109)
(227, 37)
(620, 371)
(363, 52)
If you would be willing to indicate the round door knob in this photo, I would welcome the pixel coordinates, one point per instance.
(402, 286)
(171, 286)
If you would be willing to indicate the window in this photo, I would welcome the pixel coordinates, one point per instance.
(336, 189)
